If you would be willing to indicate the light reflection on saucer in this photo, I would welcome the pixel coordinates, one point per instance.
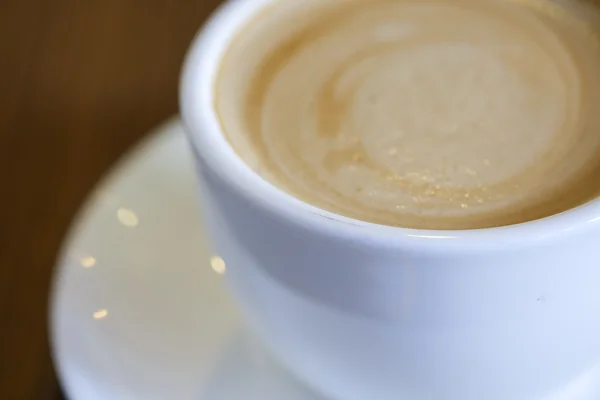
(88, 262)
(127, 217)
(101, 314)
(218, 265)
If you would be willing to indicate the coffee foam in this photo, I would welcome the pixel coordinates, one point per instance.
(420, 113)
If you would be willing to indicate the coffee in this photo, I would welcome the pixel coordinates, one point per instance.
(432, 114)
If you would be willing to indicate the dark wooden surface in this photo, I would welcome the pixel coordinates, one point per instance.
(80, 82)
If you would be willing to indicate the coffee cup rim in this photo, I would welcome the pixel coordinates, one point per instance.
(209, 144)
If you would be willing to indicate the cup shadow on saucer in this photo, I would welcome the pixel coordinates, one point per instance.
(246, 370)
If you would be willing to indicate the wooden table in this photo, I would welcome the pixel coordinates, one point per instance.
(81, 81)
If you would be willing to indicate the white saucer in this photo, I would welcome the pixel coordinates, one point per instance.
(137, 311)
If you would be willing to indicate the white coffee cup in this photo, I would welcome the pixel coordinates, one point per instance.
(368, 312)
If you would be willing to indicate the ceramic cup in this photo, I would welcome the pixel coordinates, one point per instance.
(361, 311)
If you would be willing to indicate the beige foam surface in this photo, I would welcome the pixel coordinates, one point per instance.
(420, 113)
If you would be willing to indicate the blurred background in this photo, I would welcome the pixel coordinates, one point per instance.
(81, 81)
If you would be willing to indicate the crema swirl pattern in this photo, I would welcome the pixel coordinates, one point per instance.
(420, 113)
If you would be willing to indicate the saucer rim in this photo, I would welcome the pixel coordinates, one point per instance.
(78, 221)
